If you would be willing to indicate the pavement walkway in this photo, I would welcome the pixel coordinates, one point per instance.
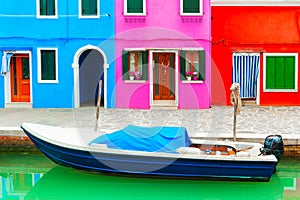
(253, 123)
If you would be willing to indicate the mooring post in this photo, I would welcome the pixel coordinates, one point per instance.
(235, 100)
(234, 122)
(98, 104)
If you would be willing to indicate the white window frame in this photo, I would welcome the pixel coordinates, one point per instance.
(40, 66)
(191, 14)
(38, 14)
(135, 14)
(265, 70)
(88, 16)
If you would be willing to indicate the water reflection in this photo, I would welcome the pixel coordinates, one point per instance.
(65, 183)
(17, 185)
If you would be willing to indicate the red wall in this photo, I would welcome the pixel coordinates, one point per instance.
(252, 29)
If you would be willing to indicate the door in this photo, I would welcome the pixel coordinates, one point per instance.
(20, 78)
(164, 76)
(90, 72)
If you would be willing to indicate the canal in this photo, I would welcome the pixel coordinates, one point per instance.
(33, 176)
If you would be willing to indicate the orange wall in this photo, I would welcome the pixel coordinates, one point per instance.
(252, 29)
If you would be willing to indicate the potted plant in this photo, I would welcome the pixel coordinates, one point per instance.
(189, 75)
(138, 75)
(131, 75)
(195, 75)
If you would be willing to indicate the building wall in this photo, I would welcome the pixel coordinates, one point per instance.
(162, 29)
(245, 28)
(68, 33)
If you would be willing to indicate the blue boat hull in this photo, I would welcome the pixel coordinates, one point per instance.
(160, 166)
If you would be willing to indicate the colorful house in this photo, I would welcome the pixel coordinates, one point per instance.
(55, 52)
(160, 43)
(256, 43)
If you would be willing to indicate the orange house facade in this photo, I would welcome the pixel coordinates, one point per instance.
(257, 44)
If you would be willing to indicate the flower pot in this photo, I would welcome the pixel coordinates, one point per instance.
(189, 78)
(131, 78)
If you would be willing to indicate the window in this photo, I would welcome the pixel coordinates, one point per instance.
(135, 65)
(191, 7)
(135, 7)
(89, 8)
(192, 64)
(47, 66)
(46, 8)
(280, 72)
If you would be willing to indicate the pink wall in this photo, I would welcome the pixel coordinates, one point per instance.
(162, 28)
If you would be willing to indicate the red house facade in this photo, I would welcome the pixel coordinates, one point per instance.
(256, 43)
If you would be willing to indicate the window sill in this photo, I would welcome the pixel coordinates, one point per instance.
(135, 81)
(49, 81)
(280, 90)
(89, 16)
(47, 17)
(191, 81)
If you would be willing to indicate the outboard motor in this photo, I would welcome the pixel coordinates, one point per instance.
(273, 145)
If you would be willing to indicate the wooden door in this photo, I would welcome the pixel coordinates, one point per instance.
(20, 78)
(164, 76)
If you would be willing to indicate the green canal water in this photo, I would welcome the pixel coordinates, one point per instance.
(33, 176)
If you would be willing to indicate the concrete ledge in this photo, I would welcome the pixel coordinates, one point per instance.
(11, 131)
(14, 139)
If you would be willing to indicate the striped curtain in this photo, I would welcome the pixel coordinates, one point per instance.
(5, 68)
(245, 72)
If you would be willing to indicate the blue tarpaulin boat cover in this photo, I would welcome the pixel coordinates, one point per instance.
(151, 139)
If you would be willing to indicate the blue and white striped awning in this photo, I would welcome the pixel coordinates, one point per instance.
(245, 72)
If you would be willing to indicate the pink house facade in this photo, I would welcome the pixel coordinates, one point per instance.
(163, 53)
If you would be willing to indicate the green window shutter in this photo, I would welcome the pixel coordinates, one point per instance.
(279, 73)
(191, 6)
(182, 65)
(84, 7)
(202, 65)
(43, 6)
(48, 68)
(270, 72)
(145, 65)
(135, 6)
(290, 72)
(125, 65)
(47, 7)
(50, 7)
(89, 7)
